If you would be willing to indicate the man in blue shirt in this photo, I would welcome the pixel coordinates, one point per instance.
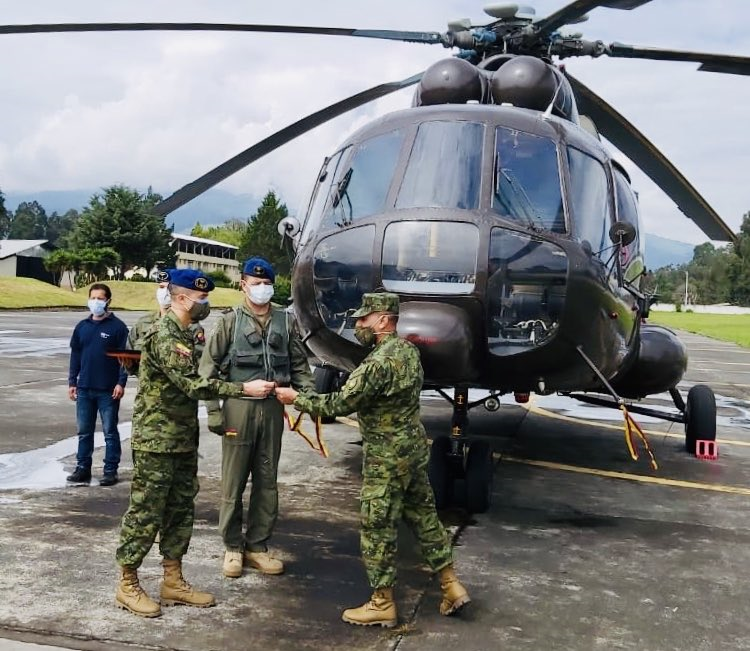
(96, 383)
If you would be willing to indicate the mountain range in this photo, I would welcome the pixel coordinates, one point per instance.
(217, 206)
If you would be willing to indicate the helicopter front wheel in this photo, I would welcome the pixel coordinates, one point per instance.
(700, 416)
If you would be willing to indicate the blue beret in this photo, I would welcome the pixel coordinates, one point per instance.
(163, 275)
(191, 279)
(259, 268)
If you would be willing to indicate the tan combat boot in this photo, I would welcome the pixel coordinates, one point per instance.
(455, 596)
(232, 567)
(176, 591)
(264, 562)
(379, 611)
(130, 596)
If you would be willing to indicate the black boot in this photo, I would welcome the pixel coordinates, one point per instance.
(80, 476)
(109, 479)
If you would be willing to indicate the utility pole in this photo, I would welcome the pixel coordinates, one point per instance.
(686, 288)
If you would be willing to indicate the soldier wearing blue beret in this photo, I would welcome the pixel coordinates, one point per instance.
(256, 342)
(165, 449)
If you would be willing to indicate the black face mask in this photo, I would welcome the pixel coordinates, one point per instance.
(198, 311)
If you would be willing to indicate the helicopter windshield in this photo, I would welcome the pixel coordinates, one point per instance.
(589, 199)
(527, 180)
(360, 186)
(444, 168)
(430, 257)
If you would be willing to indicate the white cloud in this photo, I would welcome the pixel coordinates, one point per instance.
(88, 110)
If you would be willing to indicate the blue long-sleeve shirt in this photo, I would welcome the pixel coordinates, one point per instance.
(90, 368)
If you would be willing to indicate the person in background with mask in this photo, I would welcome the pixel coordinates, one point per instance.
(165, 449)
(140, 327)
(96, 383)
(384, 390)
(256, 342)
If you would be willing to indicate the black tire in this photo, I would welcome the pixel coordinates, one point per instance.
(439, 471)
(700, 416)
(326, 381)
(480, 470)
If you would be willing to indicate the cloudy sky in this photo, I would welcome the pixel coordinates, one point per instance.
(83, 111)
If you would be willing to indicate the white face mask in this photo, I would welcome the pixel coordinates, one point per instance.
(163, 297)
(259, 294)
(97, 306)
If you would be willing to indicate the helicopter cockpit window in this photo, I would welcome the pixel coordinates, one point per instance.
(632, 255)
(526, 288)
(527, 180)
(589, 199)
(444, 168)
(342, 272)
(430, 257)
(322, 192)
(361, 184)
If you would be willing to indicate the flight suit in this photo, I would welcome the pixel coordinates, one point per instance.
(384, 391)
(242, 348)
(165, 443)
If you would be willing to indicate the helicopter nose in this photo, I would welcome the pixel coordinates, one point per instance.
(445, 335)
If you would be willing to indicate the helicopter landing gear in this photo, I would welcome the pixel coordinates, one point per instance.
(700, 416)
(461, 471)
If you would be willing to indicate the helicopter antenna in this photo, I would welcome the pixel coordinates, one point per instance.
(548, 111)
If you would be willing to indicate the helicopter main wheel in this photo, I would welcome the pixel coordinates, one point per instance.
(700, 416)
(479, 474)
(439, 471)
(326, 381)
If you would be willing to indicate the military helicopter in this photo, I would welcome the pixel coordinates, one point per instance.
(493, 209)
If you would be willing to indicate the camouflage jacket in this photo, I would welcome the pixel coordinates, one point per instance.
(384, 391)
(141, 327)
(165, 414)
(217, 358)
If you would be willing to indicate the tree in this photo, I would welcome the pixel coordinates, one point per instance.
(123, 220)
(738, 270)
(4, 218)
(29, 222)
(230, 232)
(59, 227)
(262, 237)
(61, 261)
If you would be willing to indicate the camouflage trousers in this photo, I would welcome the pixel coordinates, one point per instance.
(384, 502)
(162, 500)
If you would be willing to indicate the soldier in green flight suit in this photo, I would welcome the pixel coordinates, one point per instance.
(165, 450)
(384, 391)
(256, 342)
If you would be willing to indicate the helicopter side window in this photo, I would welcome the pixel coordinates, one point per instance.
(444, 168)
(430, 257)
(324, 182)
(589, 200)
(362, 186)
(632, 255)
(527, 180)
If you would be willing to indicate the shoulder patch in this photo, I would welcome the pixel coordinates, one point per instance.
(182, 349)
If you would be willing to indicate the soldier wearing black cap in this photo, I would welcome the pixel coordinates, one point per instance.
(256, 342)
(165, 449)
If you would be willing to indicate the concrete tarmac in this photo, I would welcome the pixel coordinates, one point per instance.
(583, 548)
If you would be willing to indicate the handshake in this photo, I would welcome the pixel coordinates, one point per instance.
(263, 389)
(253, 389)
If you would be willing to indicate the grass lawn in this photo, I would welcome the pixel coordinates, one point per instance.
(26, 293)
(727, 327)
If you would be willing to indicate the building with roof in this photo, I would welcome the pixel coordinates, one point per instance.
(25, 259)
(207, 255)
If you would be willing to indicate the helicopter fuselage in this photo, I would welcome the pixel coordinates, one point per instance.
(492, 224)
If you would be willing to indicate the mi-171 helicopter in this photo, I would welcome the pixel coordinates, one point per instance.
(493, 209)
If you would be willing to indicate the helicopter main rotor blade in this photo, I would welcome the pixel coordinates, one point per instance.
(576, 10)
(389, 34)
(734, 65)
(631, 142)
(274, 141)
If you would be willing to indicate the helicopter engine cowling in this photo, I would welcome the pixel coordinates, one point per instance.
(450, 81)
(660, 363)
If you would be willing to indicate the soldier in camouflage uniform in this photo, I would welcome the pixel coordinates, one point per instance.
(165, 450)
(141, 326)
(255, 342)
(384, 391)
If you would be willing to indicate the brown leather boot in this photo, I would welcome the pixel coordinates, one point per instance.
(130, 596)
(455, 596)
(176, 591)
(379, 611)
